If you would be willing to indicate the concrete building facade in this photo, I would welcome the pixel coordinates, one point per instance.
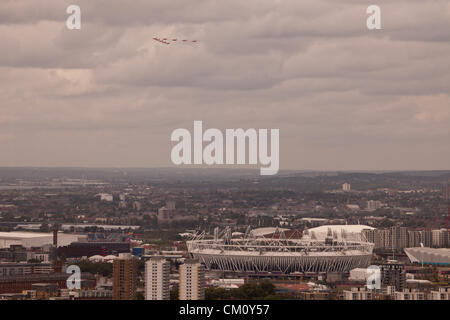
(192, 280)
(124, 277)
(157, 278)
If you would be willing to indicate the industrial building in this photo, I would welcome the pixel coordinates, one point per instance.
(36, 239)
(19, 283)
(88, 249)
(19, 269)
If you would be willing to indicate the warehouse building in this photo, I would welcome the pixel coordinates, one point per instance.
(36, 239)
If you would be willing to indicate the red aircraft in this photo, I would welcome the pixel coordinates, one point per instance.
(157, 39)
(166, 41)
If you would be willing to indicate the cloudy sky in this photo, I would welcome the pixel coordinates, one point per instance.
(343, 97)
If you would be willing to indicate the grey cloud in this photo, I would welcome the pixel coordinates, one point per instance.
(343, 97)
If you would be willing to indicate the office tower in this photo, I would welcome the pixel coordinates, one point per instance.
(393, 274)
(346, 187)
(192, 280)
(157, 273)
(124, 277)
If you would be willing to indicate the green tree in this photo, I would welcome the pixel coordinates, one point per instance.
(140, 296)
(103, 268)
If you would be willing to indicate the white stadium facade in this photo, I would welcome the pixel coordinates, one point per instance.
(334, 251)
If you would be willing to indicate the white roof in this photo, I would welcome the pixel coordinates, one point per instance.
(359, 270)
(418, 281)
(110, 257)
(36, 239)
(349, 228)
(185, 234)
(96, 257)
(23, 235)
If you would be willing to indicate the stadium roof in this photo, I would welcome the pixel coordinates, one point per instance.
(429, 255)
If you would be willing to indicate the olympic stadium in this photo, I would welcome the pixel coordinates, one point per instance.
(278, 253)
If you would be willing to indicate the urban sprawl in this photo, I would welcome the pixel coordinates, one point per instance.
(221, 234)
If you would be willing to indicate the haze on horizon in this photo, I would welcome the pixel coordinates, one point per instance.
(343, 97)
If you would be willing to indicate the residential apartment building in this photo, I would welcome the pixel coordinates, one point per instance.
(360, 293)
(192, 280)
(409, 294)
(124, 277)
(157, 273)
(440, 294)
(393, 274)
(398, 238)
